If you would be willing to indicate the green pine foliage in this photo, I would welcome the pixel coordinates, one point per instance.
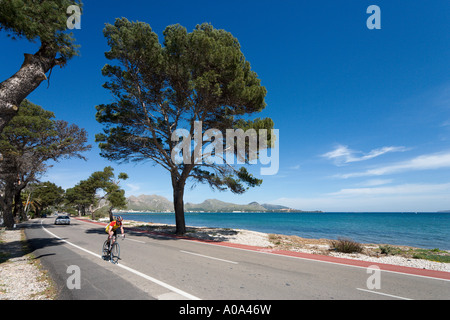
(44, 21)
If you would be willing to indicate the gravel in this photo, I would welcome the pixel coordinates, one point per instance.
(21, 277)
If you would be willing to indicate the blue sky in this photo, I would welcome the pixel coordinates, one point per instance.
(363, 115)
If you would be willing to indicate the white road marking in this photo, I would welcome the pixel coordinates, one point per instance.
(262, 251)
(65, 241)
(308, 259)
(383, 294)
(135, 240)
(208, 257)
(162, 284)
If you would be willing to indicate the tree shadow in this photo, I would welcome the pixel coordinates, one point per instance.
(11, 250)
(20, 248)
(168, 232)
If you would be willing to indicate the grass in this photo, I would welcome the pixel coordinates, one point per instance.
(415, 253)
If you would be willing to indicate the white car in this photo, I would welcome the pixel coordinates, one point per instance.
(62, 220)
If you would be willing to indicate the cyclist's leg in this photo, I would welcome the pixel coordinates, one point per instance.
(114, 237)
(110, 239)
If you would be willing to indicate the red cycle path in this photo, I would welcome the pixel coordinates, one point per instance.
(350, 262)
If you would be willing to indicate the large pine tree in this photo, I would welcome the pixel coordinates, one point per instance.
(44, 22)
(197, 77)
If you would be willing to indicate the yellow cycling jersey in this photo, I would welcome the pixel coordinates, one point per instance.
(113, 225)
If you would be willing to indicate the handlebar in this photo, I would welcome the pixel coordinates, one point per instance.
(116, 236)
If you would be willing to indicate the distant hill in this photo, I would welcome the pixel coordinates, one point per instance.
(444, 211)
(214, 205)
(151, 203)
(155, 203)
(274, 207)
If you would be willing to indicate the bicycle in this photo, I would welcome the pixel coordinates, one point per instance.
(111, 253)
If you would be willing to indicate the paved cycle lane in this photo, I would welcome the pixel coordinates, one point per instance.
(97, 279)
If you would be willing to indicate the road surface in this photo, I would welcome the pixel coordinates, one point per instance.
(165, 268)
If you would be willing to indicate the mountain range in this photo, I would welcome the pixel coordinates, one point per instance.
(155, 203)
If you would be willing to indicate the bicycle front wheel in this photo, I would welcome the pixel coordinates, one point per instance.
(115, 253)
(105, 249)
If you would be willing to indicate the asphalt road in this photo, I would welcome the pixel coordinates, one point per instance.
(163, 268)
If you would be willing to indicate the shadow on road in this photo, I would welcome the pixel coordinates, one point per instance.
(168, 232)
(19, 248)
(36, 243)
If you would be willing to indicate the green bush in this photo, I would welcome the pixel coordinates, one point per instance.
(346, 246)
(388, 250)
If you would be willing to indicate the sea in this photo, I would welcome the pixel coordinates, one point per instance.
(416, 229)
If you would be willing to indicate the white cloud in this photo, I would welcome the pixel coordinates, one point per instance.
(342, 154)
(404, 189)
(385, 203)
(375, 182)
(399, 198)
(133, 187)
(424, 162)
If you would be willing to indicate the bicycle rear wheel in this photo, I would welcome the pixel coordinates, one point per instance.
(115, 253)
(105, 249)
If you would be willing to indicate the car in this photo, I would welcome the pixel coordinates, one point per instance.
(62, 220)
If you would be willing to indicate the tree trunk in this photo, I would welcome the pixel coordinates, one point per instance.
(30, 75)
(92, 212)
(111, 217)
(19, 213)
(7, 205)
(178, 203)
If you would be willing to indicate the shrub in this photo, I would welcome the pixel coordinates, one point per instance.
(388, 250)
(346, 246)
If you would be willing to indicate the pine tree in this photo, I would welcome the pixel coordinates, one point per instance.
(195, 77)
(29, 142)
(45, 22)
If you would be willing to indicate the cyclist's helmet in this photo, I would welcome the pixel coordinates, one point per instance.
(119, 219)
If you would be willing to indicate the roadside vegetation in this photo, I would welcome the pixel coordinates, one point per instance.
(325, 247)
(416, 253)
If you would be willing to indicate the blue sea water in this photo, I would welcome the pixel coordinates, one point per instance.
(423, 230)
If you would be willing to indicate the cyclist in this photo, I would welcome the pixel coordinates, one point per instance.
(111, 229)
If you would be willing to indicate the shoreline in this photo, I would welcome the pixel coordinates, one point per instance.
(405, 229)
(290, 243)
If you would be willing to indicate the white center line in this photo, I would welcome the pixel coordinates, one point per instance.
(208, 257)
(383, 294)
(135, 240)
